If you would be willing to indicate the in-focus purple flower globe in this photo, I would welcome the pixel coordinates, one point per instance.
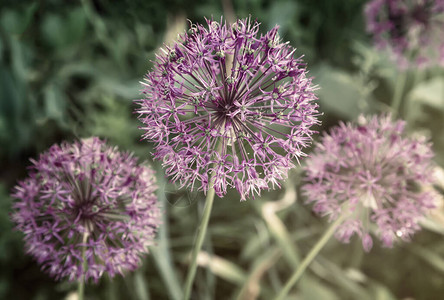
(227, 100)
(373, 173)
(87, 199)
(412, 31)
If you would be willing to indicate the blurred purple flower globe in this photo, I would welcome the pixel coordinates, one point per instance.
(373, 173)
(411, 30)
(87, 199)
(227, 100)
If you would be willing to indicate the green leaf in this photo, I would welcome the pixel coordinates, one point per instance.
(222, 267)
(127, 90)
(339, 92)
(53, 30)
(314, 289)
(55, 105)
(429, 92)
(16, 22)
(382, 293)
(430, 257)
(282, 14)
(76, 25)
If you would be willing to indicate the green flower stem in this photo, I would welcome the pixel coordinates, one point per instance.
(201, 231)
(81, 289)
(81, 286)
(399, 92)
(310, 257)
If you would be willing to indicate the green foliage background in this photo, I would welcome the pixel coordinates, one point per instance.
(70, 69)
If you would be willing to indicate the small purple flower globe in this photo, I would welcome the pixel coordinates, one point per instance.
(226, 101)
(87, 200)
(375, 175)
(411, 30)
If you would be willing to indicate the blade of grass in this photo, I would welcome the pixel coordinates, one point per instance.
(430, 257)
(222, 267)
(252, 287)
(161, 252)
(330, 272)
(141, 286)
(276, 226)
(299, 272)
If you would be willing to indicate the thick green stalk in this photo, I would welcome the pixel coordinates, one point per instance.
(81, 286)
(81, 289)
(201, 231)
(310, 257)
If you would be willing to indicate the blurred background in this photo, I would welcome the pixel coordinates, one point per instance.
(71, 69)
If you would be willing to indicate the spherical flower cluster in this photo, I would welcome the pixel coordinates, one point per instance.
(87, 209)
(226, 101)
(373, 174)
(411, 30)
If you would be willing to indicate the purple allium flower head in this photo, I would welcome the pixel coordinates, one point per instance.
(411, 30)
(87, 197)
(375, 175)
(225, 99)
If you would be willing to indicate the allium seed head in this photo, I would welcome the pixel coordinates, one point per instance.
(411, 30)
(227, 100)
(87, 197)
(373, 173)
